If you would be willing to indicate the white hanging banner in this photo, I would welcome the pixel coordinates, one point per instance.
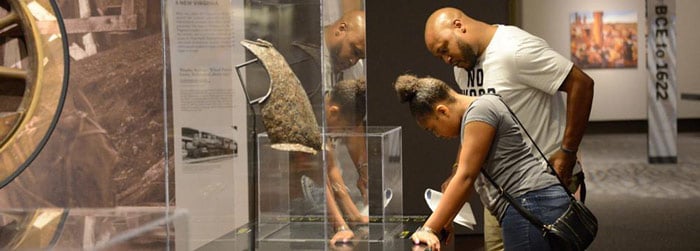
(662, 92)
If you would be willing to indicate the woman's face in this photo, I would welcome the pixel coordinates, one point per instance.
(441, 125)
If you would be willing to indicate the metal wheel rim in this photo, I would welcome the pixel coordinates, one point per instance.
(46, 78)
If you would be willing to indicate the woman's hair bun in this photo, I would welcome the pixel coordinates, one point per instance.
(406, 87)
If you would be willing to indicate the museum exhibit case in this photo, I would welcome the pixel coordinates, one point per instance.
(260, 88)
(298, 208)
(149, 124)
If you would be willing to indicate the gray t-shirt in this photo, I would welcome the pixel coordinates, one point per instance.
(510, 161)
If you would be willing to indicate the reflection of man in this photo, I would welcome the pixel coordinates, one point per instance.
(529, 75)
(344, 48)
(345, 40)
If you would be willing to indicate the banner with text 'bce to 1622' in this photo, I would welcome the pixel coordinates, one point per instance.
(662, 92)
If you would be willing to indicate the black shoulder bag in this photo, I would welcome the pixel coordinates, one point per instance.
(574, 230)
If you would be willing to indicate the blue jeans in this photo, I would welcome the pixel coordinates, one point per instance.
(546, 204)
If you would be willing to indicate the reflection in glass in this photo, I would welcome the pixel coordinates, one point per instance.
(123, 228)
(30, 230)
(352, 189)
(345, 112)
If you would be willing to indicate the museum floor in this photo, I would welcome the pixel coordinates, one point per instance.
(639, 206)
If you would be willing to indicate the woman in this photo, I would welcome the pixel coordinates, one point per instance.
(345, 112)
(491, 142)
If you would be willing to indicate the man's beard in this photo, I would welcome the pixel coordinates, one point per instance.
(467, 54)
(338, 65)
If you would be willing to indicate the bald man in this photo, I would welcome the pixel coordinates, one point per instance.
(345, 40)
(531, 77)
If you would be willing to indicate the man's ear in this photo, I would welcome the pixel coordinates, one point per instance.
(459, 25)
(340, 29)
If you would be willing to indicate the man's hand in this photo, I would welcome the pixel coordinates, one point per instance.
(563, 163)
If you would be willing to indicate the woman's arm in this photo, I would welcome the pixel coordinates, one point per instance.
(342, 196)
(357, 148)
(478, 137)
(343, 233)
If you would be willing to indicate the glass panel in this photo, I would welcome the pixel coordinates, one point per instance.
(302, 195)
(291, 213)
(109, 138)
(354, 186)
(131, 228)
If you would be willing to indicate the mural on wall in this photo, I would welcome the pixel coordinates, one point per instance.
(604, 39)
(109, 139)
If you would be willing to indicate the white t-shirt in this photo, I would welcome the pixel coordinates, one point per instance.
(527, 73)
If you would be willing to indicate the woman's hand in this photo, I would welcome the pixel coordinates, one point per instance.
(342, 236)
(427, 237)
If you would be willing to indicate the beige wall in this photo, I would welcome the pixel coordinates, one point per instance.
(621, 94)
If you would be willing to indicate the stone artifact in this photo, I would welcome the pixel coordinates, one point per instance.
(286, 110)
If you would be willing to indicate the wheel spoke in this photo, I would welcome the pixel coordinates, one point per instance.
(8, 20)
(7, 72)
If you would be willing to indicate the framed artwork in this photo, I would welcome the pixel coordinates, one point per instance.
(604, 39)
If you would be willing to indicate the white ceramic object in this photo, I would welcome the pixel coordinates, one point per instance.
(465, 217)
(388, 194)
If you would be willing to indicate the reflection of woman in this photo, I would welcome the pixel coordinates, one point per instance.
(345, 112)
(491, 142)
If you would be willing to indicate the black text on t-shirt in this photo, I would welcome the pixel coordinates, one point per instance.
(475, 83)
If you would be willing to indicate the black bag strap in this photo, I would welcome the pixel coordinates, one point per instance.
(549, 165)
(524, 212)
(517, 206)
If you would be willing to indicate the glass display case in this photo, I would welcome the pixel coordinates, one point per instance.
(297, 203)
(120, 228)
(178, 105)
(292, 71)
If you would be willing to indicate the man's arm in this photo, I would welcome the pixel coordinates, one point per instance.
(579, 99)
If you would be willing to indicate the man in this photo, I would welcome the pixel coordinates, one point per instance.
(531, 77)
(344, 43)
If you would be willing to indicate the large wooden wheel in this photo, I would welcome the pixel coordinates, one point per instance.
(33, 80)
